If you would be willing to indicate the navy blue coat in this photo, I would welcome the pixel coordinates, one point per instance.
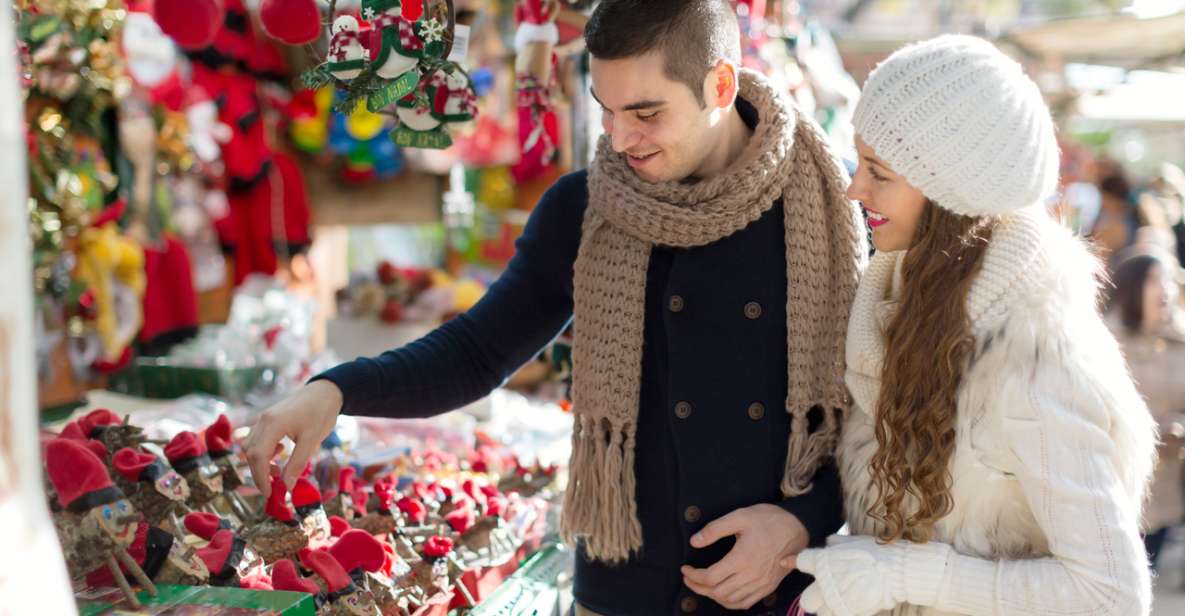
(712, 432)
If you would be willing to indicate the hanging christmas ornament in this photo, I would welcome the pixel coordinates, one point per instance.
(362, 124)
(150, 56)
(347, 56)
(295, 22)
(393, 59)
(453, 99)
(192, 23)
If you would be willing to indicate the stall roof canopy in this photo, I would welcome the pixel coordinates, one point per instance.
(1117, 40)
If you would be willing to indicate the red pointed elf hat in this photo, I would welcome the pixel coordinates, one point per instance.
(184, 446)
(359, 549)
(73, 431)
(338, 525)
(346, 480)
(413, 509)
(130, 463)
(97, 448)
(277, 504)
(98, 418)
(216, 553)
(385, 491)
(305, 494)
(205, 525)
(326, 566)
(285, 577)
(76, 471)
(218, 438)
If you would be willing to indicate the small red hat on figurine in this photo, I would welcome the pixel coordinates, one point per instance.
(285, 577)
(358, 549)
(205, 525)
(218, 438)
(79, 476)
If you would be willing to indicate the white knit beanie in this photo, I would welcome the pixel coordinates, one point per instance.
(962, 123)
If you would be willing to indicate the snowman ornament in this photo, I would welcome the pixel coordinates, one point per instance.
(394, 57)
(347, 56)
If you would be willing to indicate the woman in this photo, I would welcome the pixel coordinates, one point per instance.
(997, 453)
(1142, 311)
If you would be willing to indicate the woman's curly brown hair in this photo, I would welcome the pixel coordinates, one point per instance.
(927, 345)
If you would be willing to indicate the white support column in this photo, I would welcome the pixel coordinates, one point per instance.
(33, 577)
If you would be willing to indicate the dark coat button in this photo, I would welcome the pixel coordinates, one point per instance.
(752, 310)
(676, 303)
(770, 601)
(683, 410)
(689, 605)
(756, 411)
(692, 514)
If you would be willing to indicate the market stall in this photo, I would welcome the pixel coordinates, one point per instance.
(228, 197)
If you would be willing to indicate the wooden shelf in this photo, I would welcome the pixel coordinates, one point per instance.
(410, 198)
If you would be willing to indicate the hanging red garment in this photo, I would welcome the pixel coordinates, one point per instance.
(170, 302)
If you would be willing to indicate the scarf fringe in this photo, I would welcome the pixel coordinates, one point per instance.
(599, 505)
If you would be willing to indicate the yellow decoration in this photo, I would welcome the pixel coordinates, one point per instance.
(362, 124)
(466, 293)
(495, 188)
(441, 278)
(311, 133)
(107, 261)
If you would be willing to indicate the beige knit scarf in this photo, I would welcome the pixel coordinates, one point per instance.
(786, 157)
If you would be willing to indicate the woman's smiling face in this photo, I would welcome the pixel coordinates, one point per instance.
(894, 206)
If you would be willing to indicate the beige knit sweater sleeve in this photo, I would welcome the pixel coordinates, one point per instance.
(1078, 439)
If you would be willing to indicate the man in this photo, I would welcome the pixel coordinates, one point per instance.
(709, 327)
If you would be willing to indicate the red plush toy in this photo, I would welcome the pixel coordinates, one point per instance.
(295, 22)
(192, 23)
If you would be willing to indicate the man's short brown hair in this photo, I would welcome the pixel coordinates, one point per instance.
(691, 34)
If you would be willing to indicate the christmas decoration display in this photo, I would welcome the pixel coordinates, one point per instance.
(395, 61)
(437, 523)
